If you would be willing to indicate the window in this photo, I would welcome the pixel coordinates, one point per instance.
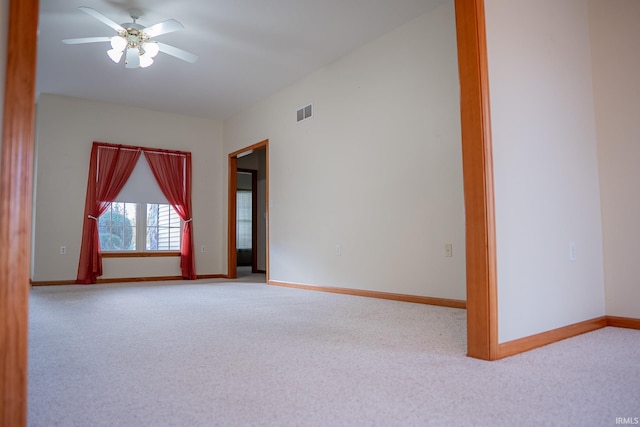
(147, 224)
(113, 181)
(119, 227)
(243, 219)
(163, 228)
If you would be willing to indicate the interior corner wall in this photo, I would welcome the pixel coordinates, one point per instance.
(616, 81)
(377, 170)
(545, 166)
(65, 130)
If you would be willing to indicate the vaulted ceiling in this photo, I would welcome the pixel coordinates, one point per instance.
(247, 49)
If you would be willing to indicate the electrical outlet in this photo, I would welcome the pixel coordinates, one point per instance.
(203, 249)
(448, 250)
(63, 250)
(338, 249)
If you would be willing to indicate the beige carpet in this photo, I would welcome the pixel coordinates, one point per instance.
(247, 354)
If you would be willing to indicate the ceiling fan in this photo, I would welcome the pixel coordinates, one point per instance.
(135, 40)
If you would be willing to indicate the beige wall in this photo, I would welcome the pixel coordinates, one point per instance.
(377, 170)
(615, 39)
(65, 130)
(545, 164)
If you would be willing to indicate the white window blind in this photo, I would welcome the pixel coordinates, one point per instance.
(141, 187)
(243, 219)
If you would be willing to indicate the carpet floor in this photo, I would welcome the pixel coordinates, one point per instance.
(241, 353)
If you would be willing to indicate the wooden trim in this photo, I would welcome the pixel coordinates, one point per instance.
(140, 254)
(126, 280)
(266, 209)
(232, 256)
(52, 282)
(256, 146)
(16, 182)
(254, 221)
(538, 340)
(443, 302)
(158, 278)
(482, 311)
(623, 322)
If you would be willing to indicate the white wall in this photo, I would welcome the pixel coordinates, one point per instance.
(545, 164)
(65, 130)
(615, 39)
(377, 170)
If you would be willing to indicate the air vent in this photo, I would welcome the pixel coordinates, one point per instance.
(304, 113)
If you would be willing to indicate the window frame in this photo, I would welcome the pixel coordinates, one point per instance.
(141, 244)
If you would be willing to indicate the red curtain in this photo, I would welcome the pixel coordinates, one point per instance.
(109, 169)
(173, 173)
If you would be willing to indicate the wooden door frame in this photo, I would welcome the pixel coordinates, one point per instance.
(232, 261)
(16, 182)
(17, 175)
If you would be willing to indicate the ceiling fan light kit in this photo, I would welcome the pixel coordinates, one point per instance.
(136, 40)
(133, 41)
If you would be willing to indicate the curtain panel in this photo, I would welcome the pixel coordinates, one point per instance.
(110, 167)
(173, 174)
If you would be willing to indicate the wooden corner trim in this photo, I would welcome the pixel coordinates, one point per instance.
(623, 322)
(443, 302)
(16, 184)
(521, 345)
(477, 158)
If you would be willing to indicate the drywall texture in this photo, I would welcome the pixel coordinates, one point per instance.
(616, 81)
(377, 170)
(65, 130)
(545, 165)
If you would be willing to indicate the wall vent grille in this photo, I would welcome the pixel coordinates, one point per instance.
(304, 113)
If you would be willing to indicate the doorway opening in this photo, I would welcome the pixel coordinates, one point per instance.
(248, 248)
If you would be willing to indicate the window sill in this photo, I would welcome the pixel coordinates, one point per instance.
(139, 254)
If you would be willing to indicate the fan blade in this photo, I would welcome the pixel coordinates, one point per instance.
(178, 53)
(86, 40)
(100, 17)
(164, 27)
(133, 58)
